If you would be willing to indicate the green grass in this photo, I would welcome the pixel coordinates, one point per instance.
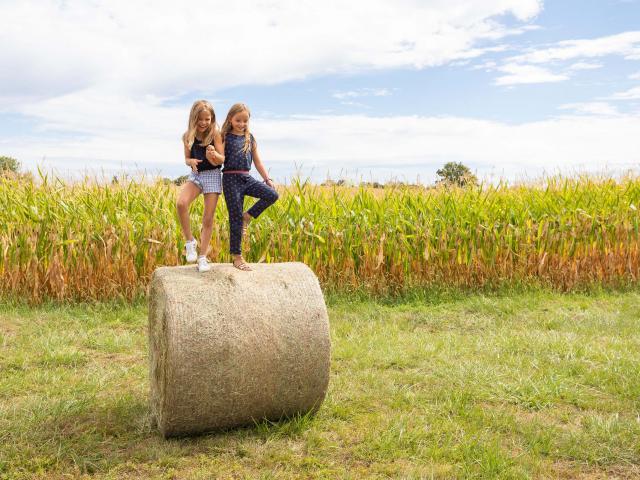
(522, 385)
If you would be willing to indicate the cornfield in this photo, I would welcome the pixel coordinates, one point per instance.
(94, 241)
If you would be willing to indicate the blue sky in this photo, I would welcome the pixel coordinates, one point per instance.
(375, 90)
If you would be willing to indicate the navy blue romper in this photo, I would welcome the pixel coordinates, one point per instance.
(236, 185)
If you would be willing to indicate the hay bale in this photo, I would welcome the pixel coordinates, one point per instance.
(227, 348)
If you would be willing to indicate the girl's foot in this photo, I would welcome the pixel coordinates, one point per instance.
(240, 264)
(203, 264)
(191, 250)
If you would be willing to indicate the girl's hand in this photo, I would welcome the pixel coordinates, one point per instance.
(211, 155)
(269, 182)
(193, 163)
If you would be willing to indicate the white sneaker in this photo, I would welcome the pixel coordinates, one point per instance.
(192, 253)
(203, 265)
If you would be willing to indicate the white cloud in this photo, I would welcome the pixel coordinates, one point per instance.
(527, 68)
(362, 92)
(565, 143)
(487, 66)
(149, 138)
(94, 131)
(166, 48)
(591, 108)
(635, 76)
(631, 94)
(626, 44)
(520, 74)
(354, 104)
(585, 66)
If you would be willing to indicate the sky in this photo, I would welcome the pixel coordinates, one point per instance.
(365, 90)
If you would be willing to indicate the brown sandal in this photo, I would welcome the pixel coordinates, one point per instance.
(240, 264)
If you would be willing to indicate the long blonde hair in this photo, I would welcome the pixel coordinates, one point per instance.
(189, 136)
(227, 127)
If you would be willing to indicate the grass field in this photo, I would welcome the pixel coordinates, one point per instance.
(521, 385)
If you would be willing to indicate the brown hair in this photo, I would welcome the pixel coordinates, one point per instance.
(227, 127)
(197, 108)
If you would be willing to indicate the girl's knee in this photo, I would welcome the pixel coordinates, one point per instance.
(182, 204)
(273, 197)
(207, 223)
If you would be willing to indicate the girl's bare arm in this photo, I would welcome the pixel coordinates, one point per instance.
(260, 167)
(213, 154)
(192, 162)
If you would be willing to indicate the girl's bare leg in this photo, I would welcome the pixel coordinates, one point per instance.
(246, 219)
(210, 204)
(188, 193)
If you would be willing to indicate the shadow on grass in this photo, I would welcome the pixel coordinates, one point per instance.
(88, 435)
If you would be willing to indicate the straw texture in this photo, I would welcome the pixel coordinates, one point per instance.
(227, 347)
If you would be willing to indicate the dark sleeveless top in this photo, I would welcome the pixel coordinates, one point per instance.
(234, 156)
(200, 152)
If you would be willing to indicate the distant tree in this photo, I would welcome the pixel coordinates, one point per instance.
(9, 164)
(371, 185)
(181, 179)
(456, 173)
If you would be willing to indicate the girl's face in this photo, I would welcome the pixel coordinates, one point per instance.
(204, 122)
(240, 121)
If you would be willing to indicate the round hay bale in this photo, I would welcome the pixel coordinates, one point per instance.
(228, 348)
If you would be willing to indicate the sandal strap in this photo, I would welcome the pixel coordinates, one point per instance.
(244, 266)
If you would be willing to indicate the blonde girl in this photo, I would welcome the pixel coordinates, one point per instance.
(202, 153)
(240, 151)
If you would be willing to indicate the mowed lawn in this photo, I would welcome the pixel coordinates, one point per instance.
(523, 385)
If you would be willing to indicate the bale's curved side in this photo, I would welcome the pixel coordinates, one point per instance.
(229, 347)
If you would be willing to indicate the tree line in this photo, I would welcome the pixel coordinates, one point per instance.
(451, 174)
